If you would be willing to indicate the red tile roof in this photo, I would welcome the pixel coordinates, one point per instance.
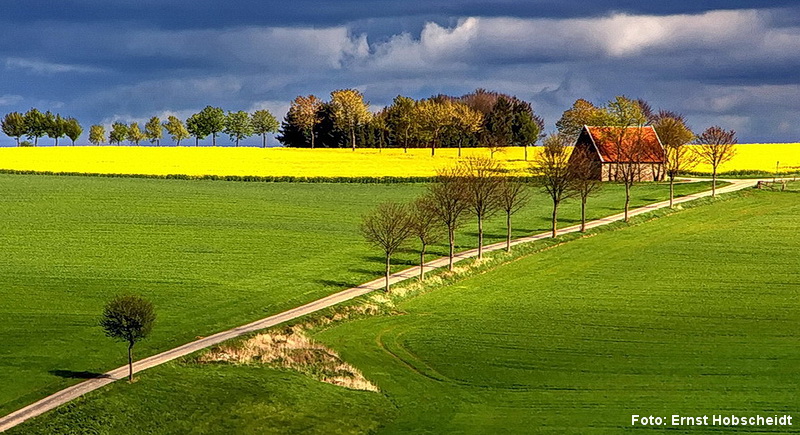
(606, 139)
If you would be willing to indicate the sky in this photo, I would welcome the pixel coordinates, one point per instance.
(730, 63)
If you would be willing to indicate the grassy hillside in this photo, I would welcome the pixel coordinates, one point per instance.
(314, 163)
(691, 314)
(211, 255)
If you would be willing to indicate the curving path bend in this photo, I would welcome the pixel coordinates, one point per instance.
(70, 393)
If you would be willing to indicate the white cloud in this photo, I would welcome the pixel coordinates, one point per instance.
(8, 100)
(490, 40)
(274, 47)
(44, 67)
(278, 108)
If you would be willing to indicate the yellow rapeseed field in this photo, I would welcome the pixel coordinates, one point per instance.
(306, 162)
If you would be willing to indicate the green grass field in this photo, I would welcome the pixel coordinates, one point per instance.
(211, 255)
(694, 313)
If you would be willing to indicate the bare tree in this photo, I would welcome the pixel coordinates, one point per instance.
(716, 147)
(483, 182)
(450, 201)
(584, 180)
(628, 118)
(675, 135)
(387, 227)
(552, 168)
(512, 196)
(425, 226)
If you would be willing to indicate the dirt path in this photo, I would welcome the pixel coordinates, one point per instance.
(75, 391)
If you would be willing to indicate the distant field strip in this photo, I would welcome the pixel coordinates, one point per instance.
(310, 163)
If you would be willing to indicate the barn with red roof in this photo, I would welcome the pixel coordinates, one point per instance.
(617, 150)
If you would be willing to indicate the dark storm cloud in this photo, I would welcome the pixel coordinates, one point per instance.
(107, 60)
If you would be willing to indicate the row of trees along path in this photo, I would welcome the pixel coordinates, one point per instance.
(75, 391)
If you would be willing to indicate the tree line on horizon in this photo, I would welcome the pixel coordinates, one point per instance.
(481, 118)
(34, 125)
(210, 121)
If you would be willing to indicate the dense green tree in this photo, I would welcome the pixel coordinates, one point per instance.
(580, 114)
(153, 131)
(14, 125)
(72, 129)
(213, 119)
(130, 319)
(264, 122)
(56, 126)
(36, 124)
(238, 126)
(197, 128)
(401, 120)
(526, 126)
(499, 132)
(176, 130)
(135, 134)
(119, 132)
(97, 134)
(434, 117)
(349, 111)
(465, 125)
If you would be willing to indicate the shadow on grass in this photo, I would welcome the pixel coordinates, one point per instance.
(70, 374)
(334, 283)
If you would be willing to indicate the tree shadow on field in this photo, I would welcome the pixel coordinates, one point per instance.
(71, 374)
(334, 283)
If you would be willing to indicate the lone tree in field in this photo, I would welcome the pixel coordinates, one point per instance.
(263, 122)
(425, 227)
(387, 228)
(716, 147)
(153, 131)
(177, 131)
(583, 181)
(14, 125)
(555, 177)
(128, 318)
(97, 134)
(450, 201)
(675, 135)
(511, 197)
(483, 183)
(238, 126)
(350, 111)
